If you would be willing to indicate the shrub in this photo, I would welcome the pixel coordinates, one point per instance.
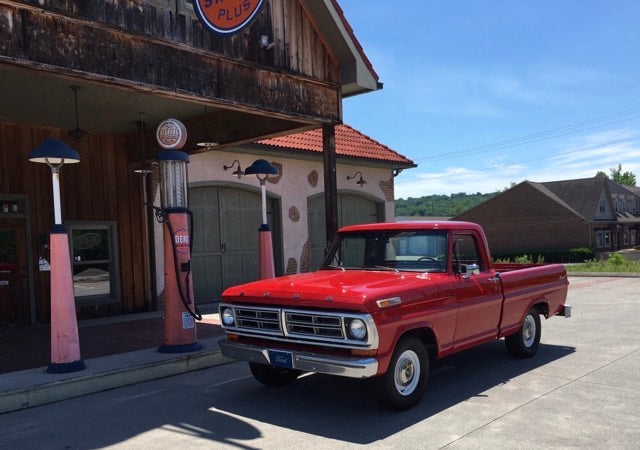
(524, 259)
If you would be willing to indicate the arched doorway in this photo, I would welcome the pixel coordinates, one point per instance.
(225, 237)
(353, 208)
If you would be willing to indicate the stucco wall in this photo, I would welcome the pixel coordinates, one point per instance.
(294, 187)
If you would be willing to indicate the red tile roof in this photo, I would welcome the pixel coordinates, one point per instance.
(349, 142)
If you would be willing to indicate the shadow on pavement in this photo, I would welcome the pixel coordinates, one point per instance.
(342, 409)
(224, 409)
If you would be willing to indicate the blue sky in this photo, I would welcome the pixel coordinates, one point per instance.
(463, 74)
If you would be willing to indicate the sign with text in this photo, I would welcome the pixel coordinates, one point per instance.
(226, 17)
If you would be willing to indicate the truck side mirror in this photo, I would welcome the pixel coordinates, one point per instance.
(470, 269)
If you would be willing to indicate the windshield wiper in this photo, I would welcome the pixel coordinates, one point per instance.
(383, 268)
(332, 267)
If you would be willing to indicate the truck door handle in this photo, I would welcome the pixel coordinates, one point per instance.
(494, 279)
(223, 248)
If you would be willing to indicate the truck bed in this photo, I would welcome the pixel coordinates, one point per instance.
(524, 285)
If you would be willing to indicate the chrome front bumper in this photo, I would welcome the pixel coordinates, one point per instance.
(352, 367)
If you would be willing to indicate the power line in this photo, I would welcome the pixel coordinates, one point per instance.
(585, 149)
(541, 135)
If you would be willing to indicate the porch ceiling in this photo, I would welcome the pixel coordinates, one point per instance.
(42, 98)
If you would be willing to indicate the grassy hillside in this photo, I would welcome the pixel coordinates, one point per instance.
(439, 205)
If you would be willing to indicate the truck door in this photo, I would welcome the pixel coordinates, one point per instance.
(479, 296)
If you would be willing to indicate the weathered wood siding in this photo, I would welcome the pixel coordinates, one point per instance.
(138, 42)
(101, 187)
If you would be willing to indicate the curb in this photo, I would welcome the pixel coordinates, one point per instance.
(37, 390)
(605, 274)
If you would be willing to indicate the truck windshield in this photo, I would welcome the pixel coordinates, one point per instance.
(410, 250)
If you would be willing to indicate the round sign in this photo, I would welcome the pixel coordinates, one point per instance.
(171, 134)
(226, 17)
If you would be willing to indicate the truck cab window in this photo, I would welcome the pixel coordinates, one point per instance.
(465, 251)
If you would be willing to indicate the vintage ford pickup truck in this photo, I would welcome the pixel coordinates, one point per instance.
(389, 299)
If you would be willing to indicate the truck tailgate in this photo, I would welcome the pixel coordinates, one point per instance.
(525, 287)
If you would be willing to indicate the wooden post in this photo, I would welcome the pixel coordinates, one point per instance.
(330, 181)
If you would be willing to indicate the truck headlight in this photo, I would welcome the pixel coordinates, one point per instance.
(357, 329)
(227, 317)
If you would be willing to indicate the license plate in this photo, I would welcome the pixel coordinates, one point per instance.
(280, 358)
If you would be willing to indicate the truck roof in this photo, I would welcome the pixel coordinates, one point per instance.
(414, 225)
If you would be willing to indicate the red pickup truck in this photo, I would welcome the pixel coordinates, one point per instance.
(389, 299)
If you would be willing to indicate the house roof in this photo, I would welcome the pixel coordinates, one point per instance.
(581, 195)
(349, 142)
(634, 189)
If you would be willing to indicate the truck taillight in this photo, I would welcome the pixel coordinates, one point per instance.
(232, 337)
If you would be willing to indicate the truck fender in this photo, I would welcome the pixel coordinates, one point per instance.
(424, 329)
(543, 307)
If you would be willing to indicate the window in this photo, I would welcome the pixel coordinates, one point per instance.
(607, 239)
(599, 239)
(625, 237)
(633, 237)
(631, 205)
(465, 251)
(420, 250)
(94, 261)
(603, 206)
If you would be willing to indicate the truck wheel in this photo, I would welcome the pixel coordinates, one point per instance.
(524, 343)
(402, 386)
(273, 376)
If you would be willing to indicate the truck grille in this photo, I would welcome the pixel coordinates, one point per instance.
(300, 326)
(308, 324)
(267, 320)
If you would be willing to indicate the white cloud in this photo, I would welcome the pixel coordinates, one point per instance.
(589, 154)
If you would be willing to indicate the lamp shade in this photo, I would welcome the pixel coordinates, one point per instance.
(261, 167)
(53, 151)
(172, 155)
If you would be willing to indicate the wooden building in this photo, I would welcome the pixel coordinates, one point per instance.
(286, 71)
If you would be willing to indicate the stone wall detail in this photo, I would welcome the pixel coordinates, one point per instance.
(305, 258)
(387, 189)
(294, 214)
(292, 266)
(275, 179)
(313, 178)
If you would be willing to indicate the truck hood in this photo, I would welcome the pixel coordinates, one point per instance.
(334, 289)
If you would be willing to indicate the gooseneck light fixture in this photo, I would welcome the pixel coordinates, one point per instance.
(261, 168)
(361, 182)
(238, 172)
(65, 343)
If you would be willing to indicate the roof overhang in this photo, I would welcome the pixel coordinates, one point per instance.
(357, 75)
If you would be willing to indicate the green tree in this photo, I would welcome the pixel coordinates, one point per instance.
(600, 173)
(626, 178)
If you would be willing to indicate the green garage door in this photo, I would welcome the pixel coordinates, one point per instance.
(352, 210)
(225, 245)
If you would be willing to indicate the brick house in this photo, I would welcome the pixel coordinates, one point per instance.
(590, 212)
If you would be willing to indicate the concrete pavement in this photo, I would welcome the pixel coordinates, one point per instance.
(581, 389)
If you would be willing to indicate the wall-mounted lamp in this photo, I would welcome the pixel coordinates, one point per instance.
(396, 172)
(77, 134)
(265, 44)
(361, 182)
(238, 172)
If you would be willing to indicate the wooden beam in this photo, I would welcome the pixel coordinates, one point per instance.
(330, 181)
(95, 51)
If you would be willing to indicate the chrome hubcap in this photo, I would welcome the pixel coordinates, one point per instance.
(529, 330)
(407, 372)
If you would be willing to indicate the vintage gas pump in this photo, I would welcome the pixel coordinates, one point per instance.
(180, 312)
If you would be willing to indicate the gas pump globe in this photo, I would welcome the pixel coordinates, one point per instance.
(180, 312)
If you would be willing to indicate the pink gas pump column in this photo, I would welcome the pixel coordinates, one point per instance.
(65, 343)
(261, 168)
(180, 312)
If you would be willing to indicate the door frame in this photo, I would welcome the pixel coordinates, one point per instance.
(278, 250)
(26, 217)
